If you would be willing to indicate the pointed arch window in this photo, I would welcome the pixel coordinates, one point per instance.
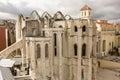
(55, 44)
(55, 39)
(46, 51)
(84, 28)
(75, 49)
(38, 51)
(84, 50)
(75, 29)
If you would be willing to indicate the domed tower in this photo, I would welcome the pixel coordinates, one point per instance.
(85, 12)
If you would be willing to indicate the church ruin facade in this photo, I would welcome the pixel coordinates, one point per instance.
(56, 47)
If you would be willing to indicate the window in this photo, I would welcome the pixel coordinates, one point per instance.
(104, 45)
(43, 33)
(112, 44)
(84, 50)
(82, 73)
(75, 49)
(55, 52)
(98, 63)
(38, 51)
(84, 28)
(55, 44)
(109, 43)
(97, 48)
(85, 13)
(60, 26)
(46, 50)
(75, 29)
(55, 39)
(89, 13)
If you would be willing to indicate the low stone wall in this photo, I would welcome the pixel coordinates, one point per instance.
(108, 64)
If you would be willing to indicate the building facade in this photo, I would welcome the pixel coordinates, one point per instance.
(108, 40)
(7, 33)
(58, 47)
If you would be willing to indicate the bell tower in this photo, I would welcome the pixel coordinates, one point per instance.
(85, 12)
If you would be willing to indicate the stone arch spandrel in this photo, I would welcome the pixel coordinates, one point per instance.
(58, 16)
(46, 14)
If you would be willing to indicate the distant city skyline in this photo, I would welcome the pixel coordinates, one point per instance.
(102, 9)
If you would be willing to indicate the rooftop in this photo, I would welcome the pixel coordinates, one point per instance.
(85, 7)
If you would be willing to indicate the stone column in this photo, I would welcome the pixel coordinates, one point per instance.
(51, 58)
(33, 60)
(43, 61)
(79, 58)
(28, 55)
(89, 53)
(100, 47)
(6, 32)
(90, 69)
(94, 46)
(18, 28)
(23, 52)
(60, 55)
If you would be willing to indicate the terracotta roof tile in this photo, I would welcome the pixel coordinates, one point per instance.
(85, 7)
(109, 24)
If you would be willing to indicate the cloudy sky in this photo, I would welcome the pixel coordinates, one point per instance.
(102, 9)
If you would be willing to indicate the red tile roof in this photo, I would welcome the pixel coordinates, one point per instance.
(105, 23)
(85, 7)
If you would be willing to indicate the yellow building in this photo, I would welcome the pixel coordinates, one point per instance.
(108, 38)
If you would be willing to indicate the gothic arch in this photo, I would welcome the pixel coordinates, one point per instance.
(47, 19)
(84, 49)
(46, 14)
(58, 16)
(36, 15)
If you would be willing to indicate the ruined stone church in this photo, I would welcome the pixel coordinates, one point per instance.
(56, 47)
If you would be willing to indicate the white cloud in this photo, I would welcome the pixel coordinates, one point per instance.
(102, 9)
(7, 16)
